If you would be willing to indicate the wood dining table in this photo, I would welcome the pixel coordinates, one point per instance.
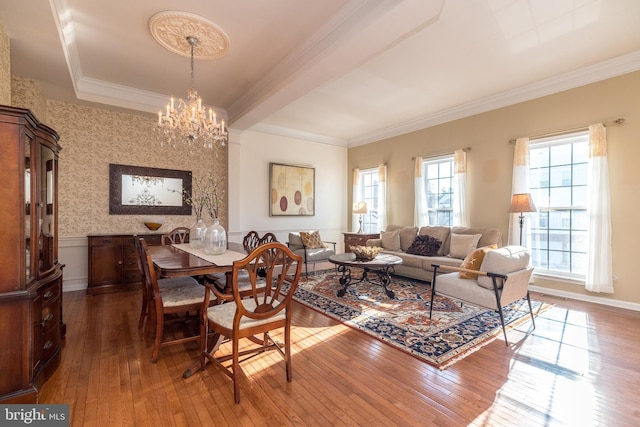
(182, 260)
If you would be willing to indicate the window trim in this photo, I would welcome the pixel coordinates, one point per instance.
(546, 142)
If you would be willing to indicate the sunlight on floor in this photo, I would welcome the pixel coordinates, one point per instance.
(558, 367)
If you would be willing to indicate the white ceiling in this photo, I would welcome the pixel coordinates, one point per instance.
(344, 72)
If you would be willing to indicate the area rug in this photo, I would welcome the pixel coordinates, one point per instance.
(454, 331)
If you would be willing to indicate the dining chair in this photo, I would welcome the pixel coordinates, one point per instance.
(172, 304)
(177, 235)
(168, 282)
(221, 281)
(265, 309)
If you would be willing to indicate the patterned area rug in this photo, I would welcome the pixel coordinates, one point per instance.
(454, 332)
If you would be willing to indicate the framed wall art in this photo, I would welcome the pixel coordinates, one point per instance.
(135, 190)
(292, 190)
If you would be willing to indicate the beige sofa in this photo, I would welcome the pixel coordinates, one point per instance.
(419, 266)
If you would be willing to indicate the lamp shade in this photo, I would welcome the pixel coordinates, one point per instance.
(522, 202)
(360, 208)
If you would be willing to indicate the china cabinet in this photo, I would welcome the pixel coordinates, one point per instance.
(31, 326)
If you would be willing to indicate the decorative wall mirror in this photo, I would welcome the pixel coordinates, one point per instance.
(135, 190)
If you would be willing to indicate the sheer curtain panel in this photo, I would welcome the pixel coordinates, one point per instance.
(460, 210)
(520, 184)
(355, 198)
(421, 214)
(382, 197)
(599, 270)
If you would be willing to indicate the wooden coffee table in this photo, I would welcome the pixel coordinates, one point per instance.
(382, 266)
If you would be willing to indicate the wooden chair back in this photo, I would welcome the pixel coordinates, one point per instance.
(257, 311)
(176, 236)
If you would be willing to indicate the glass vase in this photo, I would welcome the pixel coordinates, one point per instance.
(197, 233)
(215, 239)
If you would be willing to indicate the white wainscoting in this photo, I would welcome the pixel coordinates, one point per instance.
(74, 254)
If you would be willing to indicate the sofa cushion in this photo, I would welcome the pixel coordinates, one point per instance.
(425, 245)
(311, 239)
(503, 261)
(490, 236)
(439, 232)
(391, 240)
(407, 236)
(463, 244)
(473, 261)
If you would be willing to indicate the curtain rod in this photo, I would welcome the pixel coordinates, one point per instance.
(444, 154)
(372, 167)
(562, 132)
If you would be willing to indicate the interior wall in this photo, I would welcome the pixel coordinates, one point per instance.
(249, 158)
(491, 158)
(5, 67)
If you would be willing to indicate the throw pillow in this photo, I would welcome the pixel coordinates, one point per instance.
(311, 239)
(463, 244)
(425, 246)
(439, 232)
(391, 240)
(473, 261)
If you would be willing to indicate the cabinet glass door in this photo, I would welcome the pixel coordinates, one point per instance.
(27, 202)
(47, 208)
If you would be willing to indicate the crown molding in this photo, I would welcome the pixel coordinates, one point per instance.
(306, 136)
(597, 72)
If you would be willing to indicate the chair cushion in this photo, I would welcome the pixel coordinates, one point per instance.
(425, 245)
(463, 244)
(473, 261)
(223, 315)
(311, 239)
(183, 295)
(503, 261)
(391, 240)
(295, 241)
(175, 282)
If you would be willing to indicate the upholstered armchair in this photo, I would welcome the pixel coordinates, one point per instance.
(491, 278)
(310, 246)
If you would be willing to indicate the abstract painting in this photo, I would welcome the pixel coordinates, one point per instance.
(292, 190)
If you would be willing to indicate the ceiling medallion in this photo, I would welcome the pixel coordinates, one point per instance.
(171, 28)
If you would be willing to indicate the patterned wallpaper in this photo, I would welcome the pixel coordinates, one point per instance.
(91, 139)
(25, 93)
(5, 68)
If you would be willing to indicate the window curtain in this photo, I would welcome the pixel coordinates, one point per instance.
(520, 184)
(382, 197)
(599, 270)
(356, 197)
(460, 209)
(421, 214)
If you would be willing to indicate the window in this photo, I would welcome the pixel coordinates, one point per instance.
(368, 192)
(438, 179)
(558, 182)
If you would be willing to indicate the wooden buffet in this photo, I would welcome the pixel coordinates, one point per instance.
(113, 264)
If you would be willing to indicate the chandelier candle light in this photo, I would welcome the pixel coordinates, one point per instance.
(190, 124)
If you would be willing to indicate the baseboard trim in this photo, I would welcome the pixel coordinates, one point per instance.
(587, 298)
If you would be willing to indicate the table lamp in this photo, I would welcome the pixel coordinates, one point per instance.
(361, 209)
(522, 202)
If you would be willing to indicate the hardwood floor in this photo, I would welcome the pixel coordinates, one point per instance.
(579, 367)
